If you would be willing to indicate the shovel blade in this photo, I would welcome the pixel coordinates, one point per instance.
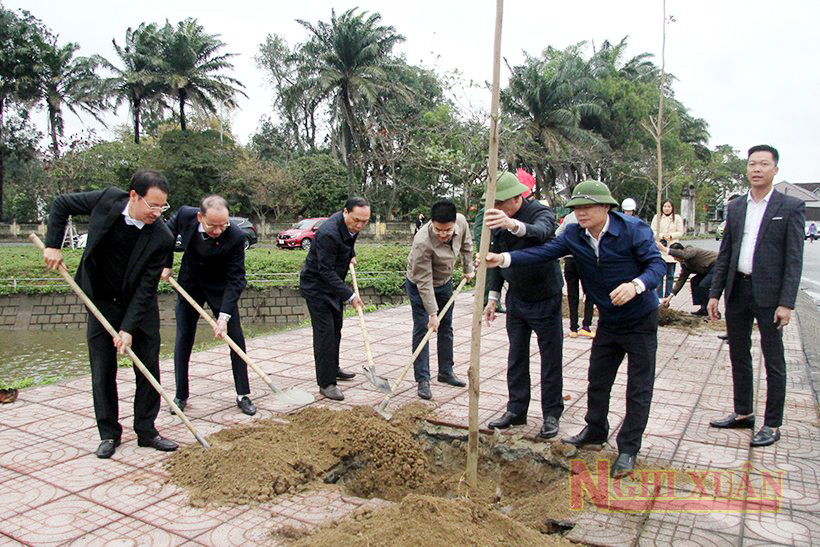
(376, 381)
(293, 395)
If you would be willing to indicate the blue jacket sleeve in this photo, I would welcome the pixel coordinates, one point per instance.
(551, 250)
(647, 253)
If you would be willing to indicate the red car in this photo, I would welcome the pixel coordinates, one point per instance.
(300, 234)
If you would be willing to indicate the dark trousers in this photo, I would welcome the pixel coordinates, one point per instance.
(665, 289)
(421, 367)
(187, 317)
(638, 340)
(103, 358)
(741, 312)
(700, 285)
(543, 318)
(326, 320)
(573, 296)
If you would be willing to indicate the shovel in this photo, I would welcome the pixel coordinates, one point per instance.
(291, 395)
(137, 362)
(381, 408)
(378, 382)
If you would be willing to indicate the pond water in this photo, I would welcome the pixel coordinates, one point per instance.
(64, 353)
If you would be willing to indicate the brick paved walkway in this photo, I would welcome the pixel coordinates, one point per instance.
(55, 491)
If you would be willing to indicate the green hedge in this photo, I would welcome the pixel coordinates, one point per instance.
(261, 263)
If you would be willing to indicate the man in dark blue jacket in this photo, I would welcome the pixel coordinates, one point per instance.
(322, 285)
(212, 271)
(620, 264)
(533, 304)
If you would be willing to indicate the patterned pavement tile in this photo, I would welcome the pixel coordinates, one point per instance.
(22, 493)
(54, 391)
(253, 526)
(60, 521)
(131, 492)
(791, 529)
(694, 455)
(667, 420)
(38, 456)
(128, 531)
(6, 541)
(660, 533)
(175, 515)
(314, 507)
(21, 413)
(81, 473)
(12, 439)
(61, 425)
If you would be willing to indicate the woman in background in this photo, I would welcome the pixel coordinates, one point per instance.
(668, 231)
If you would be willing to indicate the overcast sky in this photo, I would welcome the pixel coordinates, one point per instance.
(748, 67)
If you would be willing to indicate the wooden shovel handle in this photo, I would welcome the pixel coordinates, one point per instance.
(108, 327)
(368, 353)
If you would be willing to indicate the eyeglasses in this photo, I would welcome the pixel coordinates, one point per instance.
(215, 226)
(159, 208)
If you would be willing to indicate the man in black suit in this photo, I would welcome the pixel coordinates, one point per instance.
(322, 285)
(533, 304)
(758, 271)
(212, 271)
(119, 271)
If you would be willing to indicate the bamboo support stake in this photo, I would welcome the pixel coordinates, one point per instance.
(481, 275)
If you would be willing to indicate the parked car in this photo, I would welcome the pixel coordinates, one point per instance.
(300, 234)
(244, 224)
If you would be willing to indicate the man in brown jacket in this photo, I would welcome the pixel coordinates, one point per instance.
(436, 248)
(693, 260)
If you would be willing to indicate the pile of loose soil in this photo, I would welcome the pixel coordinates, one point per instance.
(259, 462)
(426, 520)
(522, 488)
(667, 317)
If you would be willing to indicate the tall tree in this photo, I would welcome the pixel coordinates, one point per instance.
(70, 82)
(138, 81)
(546, 99)
(191, 67)
(22, 46)
(352, 62)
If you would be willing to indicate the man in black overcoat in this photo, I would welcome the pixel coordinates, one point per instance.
(322, 285)
(126, 248)
(212, 271)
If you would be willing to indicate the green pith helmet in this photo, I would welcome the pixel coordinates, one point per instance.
(507, 186)
(591, 192)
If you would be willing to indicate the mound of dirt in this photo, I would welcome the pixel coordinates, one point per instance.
(425, 520)
(667, 317)
(259, 462)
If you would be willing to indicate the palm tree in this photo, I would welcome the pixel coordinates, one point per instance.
(190, 65)
(138, 81)
(546, 100)
(351, 61)
(70, 82)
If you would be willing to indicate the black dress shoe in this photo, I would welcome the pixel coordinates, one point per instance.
(623, 465)
(342, 374)
(158, 443)
(723, 336)
(506, 420)
(106, 448)
(550, 428)
(424, 390)
(180, 403)
(765, 436)
(732, 422)
(332, 392)
(246, 405)
(700, 313)
(583, 438)
(451, 379)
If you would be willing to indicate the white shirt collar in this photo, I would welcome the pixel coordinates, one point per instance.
(765, 199)
(603, 230)
(129, 220)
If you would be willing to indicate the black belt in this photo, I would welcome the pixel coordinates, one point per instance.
(739, 275)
